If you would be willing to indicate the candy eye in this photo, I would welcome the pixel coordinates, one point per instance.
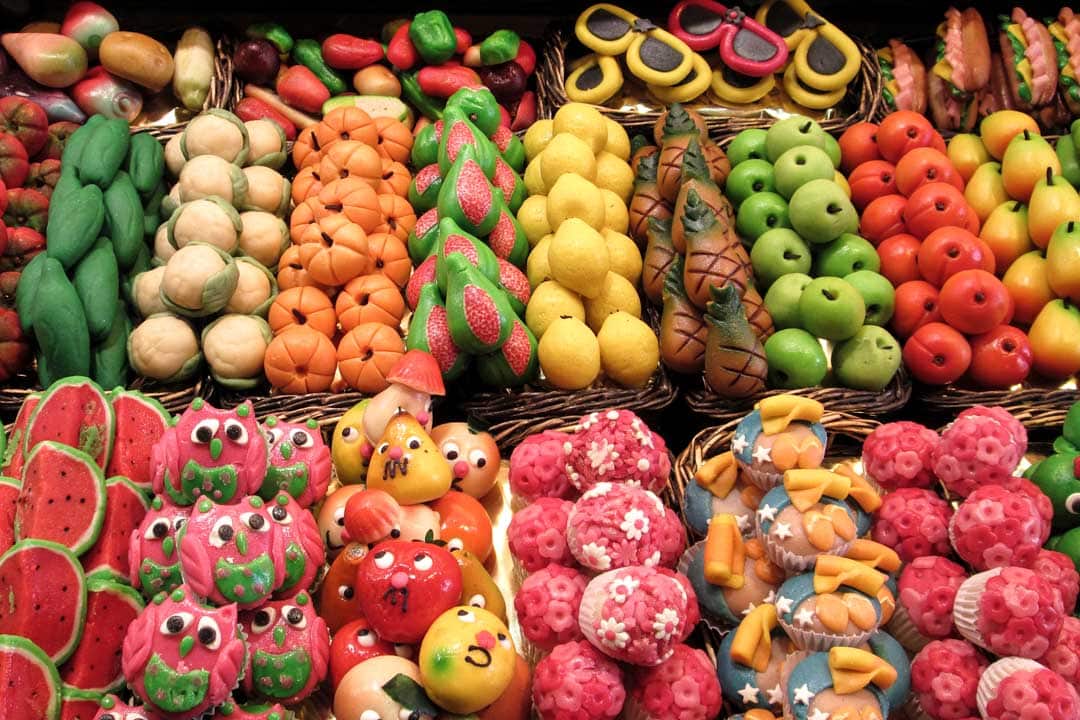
(274, 434)
(384, 559)
(478, 458)
(133, 716)
(301, 439)
(236, 432)
(179, 523)
(1072, 503)
(158, 530)
(176, 623)
(423, 562)
(280, 515)
(255, 521)
(205, 431)
(263, 620)
(366, 638)
(383, 447)
(395, 533)
(339, 516)
(477, 601)
(455, 545)
(209, 634)
(294, 616)
(504, 641)
(222, 532)
(466, 616)
(345, 592)
(413, 442)
(350, 434)
(370, 715)
(450, 450)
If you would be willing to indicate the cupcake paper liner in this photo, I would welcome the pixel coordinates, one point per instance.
(763, 479)
(966, 606)
(901, 627)
(912, 709)
(821, 642)
(998, 671)
(793, 563)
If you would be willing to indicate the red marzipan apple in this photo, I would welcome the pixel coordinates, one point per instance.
(899, 257)
(948, 250)
(858, 144)
(883, 217)
(937, 355)
(974, 301)
(925, 165)
(870, 181)
(903, 131)
(1000, 358)
(916, 304)
(936, 205)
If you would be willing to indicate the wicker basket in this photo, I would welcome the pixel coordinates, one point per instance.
(861, 103)
(325, 408)
(1035, 407)
(174, 399)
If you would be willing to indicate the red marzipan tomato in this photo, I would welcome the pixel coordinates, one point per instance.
(1000, 358)
(936, 205)
(937, 355)
(353, 644)
(871, 180)
(974, 301)
(858, 144)
(883, 218)
(948, 250)
(916, 305)
(899, 257)
(903, 131)
(925, 165)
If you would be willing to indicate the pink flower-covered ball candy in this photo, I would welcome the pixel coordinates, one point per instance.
(914, 522)
(577, 682)
(614, 526)
(683, 687)
(1058, 569)
(897, 455)
(671, 536)
(928, 588)
(945, 677)
(538, 466)
(1015, 689)
(537, 534)
(547, 606)
(982, 447)
(636, 614)
(1009, 611)
(617, 446)
(1064, 657)
(995, 526)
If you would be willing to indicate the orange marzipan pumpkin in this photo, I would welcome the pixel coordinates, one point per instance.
(395, 141)
(303, 307)
(291, 272)
(300, 360)
(351, 158)
(367, 353)
(334, 250)
(350, 123)
(389, 257)
(370, 298)
(399, 214)
(395, 178)
(350, 197)
(307, 183)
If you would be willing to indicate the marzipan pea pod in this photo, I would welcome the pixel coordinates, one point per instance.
(74, 224)
(104, 153)
(308, 53)
(73, 150)
(411, 92)
(124, 220)
(146, 162)
(97, 282)
(60, 324)
(108, 361)
(194, 68)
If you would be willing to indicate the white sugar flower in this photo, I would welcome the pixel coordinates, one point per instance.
(622, 588)
(665, 623)
(595, 556)
(635, 524)
(613, 633)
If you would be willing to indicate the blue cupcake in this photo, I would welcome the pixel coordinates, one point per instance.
(718, 488)
(833, 606)
(750, 661)
(887, 648)
(844, 682)
(783, 432)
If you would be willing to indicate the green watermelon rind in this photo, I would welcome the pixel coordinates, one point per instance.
(80, 612)
(143, 497)
(29, 651)
(105, 582)
(16, 434)
(90, 536)
(61, 384)
(70, 692)
(11, 482)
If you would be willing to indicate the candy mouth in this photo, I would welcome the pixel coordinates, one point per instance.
(393, 467)
(245, 582)
(281, 675)
(393, 594)
(485, 656)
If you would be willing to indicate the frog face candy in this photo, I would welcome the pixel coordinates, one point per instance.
(219, 454)
(182, 658)
(232, 553)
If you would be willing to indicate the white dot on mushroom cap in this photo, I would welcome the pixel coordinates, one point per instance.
(613, 415)
(568, 447)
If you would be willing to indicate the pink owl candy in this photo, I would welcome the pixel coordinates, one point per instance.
(182, 658)
(113, 709)
(299, 461)
(288, 649)
(232, 553)
(152, 555)
(304, 551)
(217, 453)
(232, 710)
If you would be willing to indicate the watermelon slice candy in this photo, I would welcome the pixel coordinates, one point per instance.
(79, 704)
(111, 608)
(29, 679)
(13, 453)
(124, 510)
(74, 411)
(62, 497)
(9, 493)
(140, 422)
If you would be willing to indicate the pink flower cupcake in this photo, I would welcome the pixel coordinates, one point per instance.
(927, 590)
(897, 455)
(945, 678)
(914, 522)
(1058, 569)
(671, 535)
(683, 687)
(547, 606)
(982, 447)
(1064, 657)
(538, 466)
(996, 526)
(613, 526)
(616, 446)
(577, 682)
(635, 615)
(1009, 611)
(1021, 689)
(537, 534)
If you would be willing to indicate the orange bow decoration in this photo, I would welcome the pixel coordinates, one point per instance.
(789, 451)
(758, 714)
(887, 601)
(831, 572)
(861, 490)
(718, 474)
(779, 411)
(853, 669)
(836, 610)
(764, 568)
(752, 644)
(807, 487)
(861, 712)
(725, 555)
(823, 526)
(874, 554)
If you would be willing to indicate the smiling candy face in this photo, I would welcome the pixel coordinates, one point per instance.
(304, 551)
(217, 453)
(152, 552)
(407, 463)
(349, 447)
(473, 457)
(299, 461)
(403, 586)
(331, 518)
(288, 649)
(182, 658)
(467, 659)
(233, 553)
(338, 600)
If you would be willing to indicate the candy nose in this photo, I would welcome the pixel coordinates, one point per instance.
(485, 639)
(395, 453)
(423, 418)
(461, 469)
(399, 580)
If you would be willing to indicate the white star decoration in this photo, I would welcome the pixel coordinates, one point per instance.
(749, 694)
(783, 605)
(743, 521)
(738, 443)
(766, 512)
(819, 714)
(776, 695)
(782, 530)
(763, 454)
(804, 617)
(803, 696)
(750, 607)
(771, 598)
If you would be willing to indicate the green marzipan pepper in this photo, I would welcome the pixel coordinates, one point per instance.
(433, 36)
